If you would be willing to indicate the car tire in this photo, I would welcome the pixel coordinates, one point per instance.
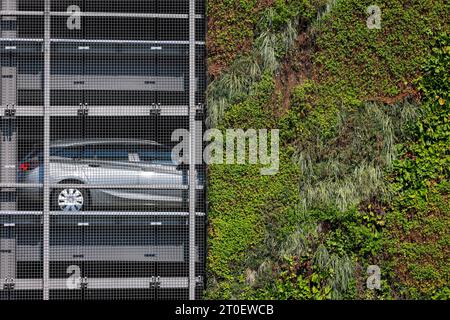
(70, 199)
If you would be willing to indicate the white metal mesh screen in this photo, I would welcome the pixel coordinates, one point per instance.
(92, 204)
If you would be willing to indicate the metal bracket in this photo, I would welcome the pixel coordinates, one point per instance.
(9, 225)
(155, 282)
(84, 283)
(199, 281)
(6, 284)
(199, 112)
(9, 284)
(152, 282)
(8, 126)
(155, 109)
(83, 111)
(10, 111)
(83, 224)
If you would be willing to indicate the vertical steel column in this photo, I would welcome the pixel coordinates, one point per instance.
(46, 185)
(192, 151)
(8, 97)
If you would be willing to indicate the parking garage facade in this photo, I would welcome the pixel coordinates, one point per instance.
(92, 203)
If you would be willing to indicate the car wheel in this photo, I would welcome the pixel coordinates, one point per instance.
(70, 199)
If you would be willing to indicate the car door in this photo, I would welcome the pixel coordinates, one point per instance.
(157, 169)
(109, 165)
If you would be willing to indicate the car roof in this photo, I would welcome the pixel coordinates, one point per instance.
(93, 142)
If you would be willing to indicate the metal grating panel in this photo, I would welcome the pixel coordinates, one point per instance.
(92, 205)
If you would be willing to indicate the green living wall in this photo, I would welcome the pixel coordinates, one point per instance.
(364, 154)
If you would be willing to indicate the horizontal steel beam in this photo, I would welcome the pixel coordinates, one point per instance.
(98, 186)
(103, 213)
(101, 14)
(149, 186)
(101, 283)
(19, 213)
(110, 41)
(21, 185)
(104, 111)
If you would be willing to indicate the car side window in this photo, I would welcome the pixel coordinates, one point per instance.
(106, 152)
(67, 152)
(158, 155)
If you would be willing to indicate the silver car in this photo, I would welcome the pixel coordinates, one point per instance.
(107, 162)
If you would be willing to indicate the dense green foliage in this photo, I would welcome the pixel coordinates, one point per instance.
(364, 166)
(419, 224)
(242, 204)
(234, 24)
(277, 33)
(230, 29)
(377, 63)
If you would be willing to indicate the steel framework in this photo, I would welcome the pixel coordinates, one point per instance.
(130, 69)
